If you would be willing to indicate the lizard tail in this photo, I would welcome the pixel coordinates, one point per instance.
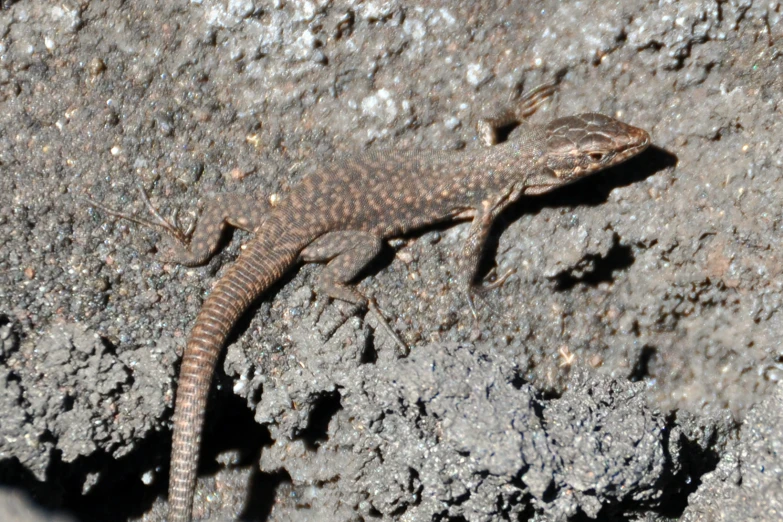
(255, 270)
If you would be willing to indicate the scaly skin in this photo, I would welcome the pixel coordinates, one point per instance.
(342, 213)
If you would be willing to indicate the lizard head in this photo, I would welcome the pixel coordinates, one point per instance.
(577, 146)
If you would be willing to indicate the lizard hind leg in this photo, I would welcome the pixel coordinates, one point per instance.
(488, 126)
(347, 253)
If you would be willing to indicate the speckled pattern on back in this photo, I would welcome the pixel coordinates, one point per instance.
(341, 215)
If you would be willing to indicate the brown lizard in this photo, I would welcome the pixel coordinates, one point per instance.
(342, 213)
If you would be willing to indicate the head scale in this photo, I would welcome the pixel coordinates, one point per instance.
(586, 143)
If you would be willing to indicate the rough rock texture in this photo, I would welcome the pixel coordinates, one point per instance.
(748, 481)
(487, 447)
(630, 369)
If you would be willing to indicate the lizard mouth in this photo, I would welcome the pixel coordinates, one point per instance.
(536, 190)
(627, 142)
(637, 141)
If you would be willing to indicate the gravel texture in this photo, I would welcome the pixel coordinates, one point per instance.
(630, 370)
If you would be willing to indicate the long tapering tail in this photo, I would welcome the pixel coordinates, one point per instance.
(254, 271)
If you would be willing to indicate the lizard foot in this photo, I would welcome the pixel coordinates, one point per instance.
(497, 282)
(401, 348)
(161, 224)
(481, 289)
(327, 325)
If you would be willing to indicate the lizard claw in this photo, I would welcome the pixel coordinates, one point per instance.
(327, 325)
(481, 289)
(160, 224)
(499, 281)
(402, 348)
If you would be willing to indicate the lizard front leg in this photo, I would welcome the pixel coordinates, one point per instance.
(198, 244)
(241, 211)
(473, 248)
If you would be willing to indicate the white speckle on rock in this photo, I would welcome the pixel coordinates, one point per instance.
(147, 477)
(447, 16)
(477, 74)
(307, 39)
(380, 105)
(69, 17)
(304, 45)
(240, 385)
(21, 15)
(374, 11)
(140, 163)
(415, 28)
(452, 123)
(305, 11)
(241, 8)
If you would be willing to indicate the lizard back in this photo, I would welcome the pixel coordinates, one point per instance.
(340, 213)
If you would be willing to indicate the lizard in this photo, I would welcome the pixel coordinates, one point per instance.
(341, 214)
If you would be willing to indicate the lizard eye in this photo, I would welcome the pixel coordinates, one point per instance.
(595, 156)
